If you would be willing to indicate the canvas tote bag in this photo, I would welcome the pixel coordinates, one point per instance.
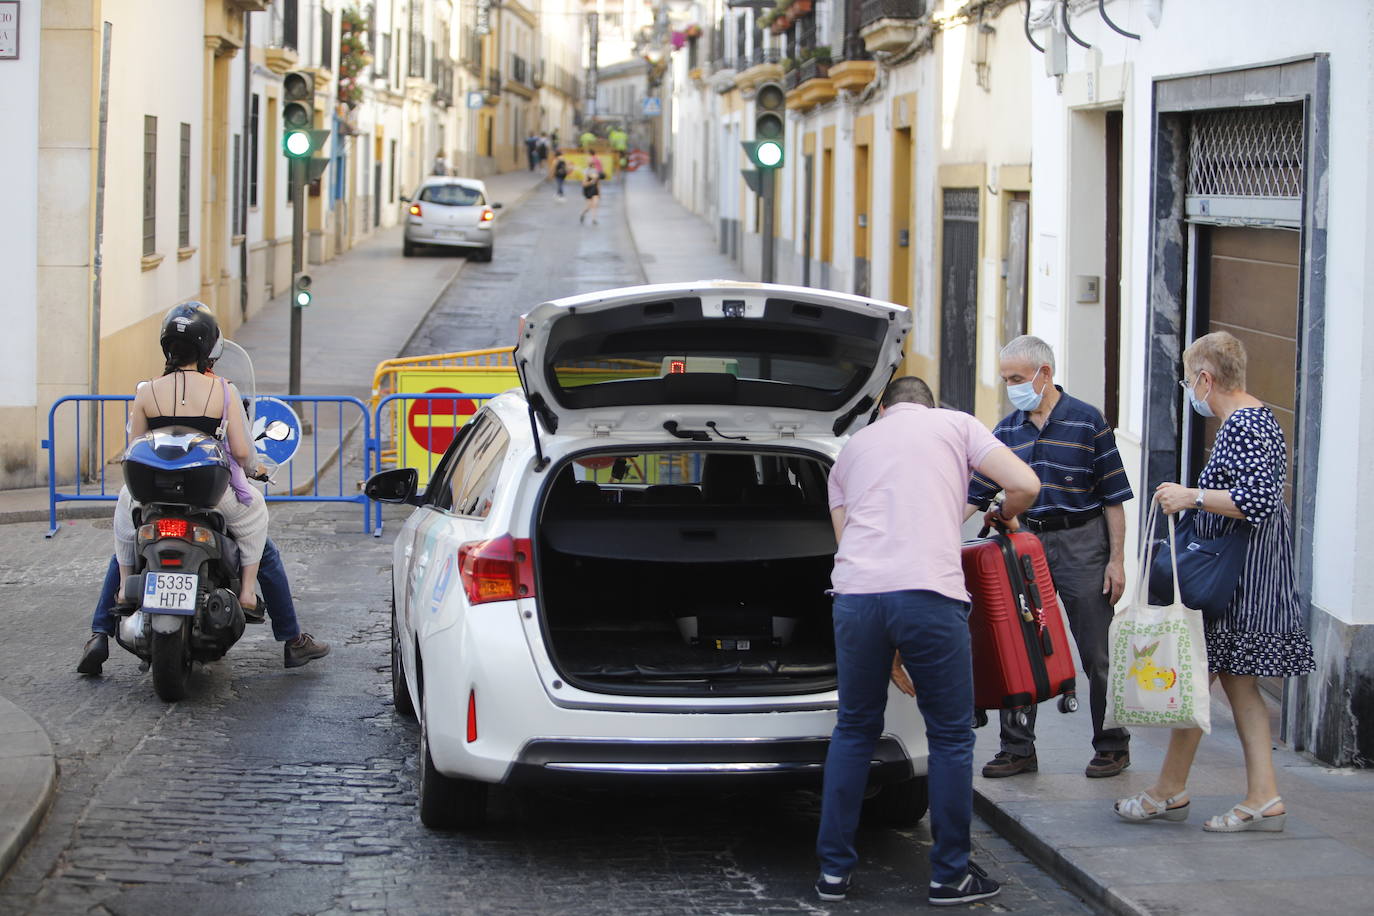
(1158, 655)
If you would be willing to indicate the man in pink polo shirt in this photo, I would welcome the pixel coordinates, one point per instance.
(897, 498)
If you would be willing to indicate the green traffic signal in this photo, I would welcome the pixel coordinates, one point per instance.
(297, 143)
(301, 296)
(768, 154)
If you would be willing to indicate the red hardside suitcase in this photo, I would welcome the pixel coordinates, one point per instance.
(1021, 654)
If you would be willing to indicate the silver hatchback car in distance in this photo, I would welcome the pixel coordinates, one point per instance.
(453, 213)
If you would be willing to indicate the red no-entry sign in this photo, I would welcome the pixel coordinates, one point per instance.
(434, 422)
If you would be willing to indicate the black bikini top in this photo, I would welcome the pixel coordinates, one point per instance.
(205, 424)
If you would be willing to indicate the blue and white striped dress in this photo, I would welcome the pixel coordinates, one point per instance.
(1262, 632)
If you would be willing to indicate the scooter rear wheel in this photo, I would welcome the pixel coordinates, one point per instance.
(171, 664)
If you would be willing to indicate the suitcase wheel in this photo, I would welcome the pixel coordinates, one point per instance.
(1068, 703)
(1021, 718)
(980, 718)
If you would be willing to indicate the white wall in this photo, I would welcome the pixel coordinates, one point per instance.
(19, 225)
(1255, 32)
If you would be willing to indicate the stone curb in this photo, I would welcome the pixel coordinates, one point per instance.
(28, 780)
(1078, 880)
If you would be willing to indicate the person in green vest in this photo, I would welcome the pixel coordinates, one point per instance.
(587, 139)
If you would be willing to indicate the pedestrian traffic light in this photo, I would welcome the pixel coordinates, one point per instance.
(770, 108)
(300, 294)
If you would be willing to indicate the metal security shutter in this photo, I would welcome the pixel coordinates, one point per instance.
(959, 302)
(1245, 166)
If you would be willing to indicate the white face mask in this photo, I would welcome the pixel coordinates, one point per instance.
(1024, 396)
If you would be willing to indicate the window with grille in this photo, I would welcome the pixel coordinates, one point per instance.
(184, 189)
(236, 221)
(327, 39)
(1245, 166)
(149, 184)
(253, 151)
(290, 19)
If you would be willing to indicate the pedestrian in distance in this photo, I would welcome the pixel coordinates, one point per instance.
(560, 175)
(542, 148)
(553, 139)
(532, 150)
(440, 164)
(591, 192)
(1080, 519)
(1261, 633)
(897, 494)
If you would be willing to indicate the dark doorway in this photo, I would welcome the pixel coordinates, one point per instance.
(959, 299)
(1111, 282)
(1018, 256)
(376, 194)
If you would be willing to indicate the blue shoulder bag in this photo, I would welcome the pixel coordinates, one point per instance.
(1208, 568)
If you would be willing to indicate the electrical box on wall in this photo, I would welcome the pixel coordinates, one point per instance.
(1057, 53)
(1086, 289)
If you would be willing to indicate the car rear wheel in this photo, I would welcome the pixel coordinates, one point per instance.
(447, 803)
(898, 804)
(408, 248)
(485, 254)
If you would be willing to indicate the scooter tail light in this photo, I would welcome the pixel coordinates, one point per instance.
(499, 569)
(472, 716)
(173, 528)
(202, 535)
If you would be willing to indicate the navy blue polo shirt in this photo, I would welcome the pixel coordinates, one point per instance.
(1074, 455)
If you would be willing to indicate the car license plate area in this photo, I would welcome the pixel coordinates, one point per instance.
(170, 593)
(457, 234)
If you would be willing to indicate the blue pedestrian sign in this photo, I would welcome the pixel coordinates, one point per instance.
(267, 410)
(653, 107)
(476, 99)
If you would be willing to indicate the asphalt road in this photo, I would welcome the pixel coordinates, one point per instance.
(271, 791)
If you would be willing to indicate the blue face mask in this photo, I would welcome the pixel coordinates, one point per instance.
(1024, 396)
(1199, 404)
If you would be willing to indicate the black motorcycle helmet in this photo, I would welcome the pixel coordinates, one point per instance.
(190, 331)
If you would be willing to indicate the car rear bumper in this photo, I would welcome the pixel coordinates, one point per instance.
(473, 238)
(546, 761)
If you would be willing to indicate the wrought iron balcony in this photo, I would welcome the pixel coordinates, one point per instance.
(812, 68)
(854, 48)
(873, 10)
(791, 79)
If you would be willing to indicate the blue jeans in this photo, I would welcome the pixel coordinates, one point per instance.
(276, 591)
(931, 631)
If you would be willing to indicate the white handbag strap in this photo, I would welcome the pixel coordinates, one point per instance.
(1143, 564)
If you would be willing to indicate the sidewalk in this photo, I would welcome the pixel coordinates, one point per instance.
(674, 244)
(367, 303)
(1323, 862)
(28, 780)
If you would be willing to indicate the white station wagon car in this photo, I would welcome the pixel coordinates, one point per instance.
(451, 213)
(620, 571)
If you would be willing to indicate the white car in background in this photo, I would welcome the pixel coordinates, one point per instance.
(451, 213)
(619, 572)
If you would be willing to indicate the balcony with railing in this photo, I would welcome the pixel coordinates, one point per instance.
(493, 84)
(889, 25)
(471, 51)
(280, 54)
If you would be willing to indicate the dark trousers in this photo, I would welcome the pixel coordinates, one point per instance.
(932, 633)
(1078, 561)
(276, 592)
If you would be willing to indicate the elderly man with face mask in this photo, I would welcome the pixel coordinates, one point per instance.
(1079, 517)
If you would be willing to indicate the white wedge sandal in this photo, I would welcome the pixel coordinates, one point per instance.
(1145, 807)
(1241, 818)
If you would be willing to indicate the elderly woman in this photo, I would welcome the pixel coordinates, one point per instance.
(1261, 634)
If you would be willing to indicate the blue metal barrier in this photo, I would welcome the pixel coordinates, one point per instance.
(322, 460)
(394, 441)
(98, 457)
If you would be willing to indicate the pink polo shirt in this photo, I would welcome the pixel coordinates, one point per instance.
(903, 483)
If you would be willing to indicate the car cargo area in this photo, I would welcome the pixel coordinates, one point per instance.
(696, 574)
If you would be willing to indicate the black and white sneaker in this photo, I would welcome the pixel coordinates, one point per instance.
(830, 889)
(975, 886)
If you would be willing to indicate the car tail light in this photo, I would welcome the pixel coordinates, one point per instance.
(472, 716)
(415, 210)
(488, 215)
(499, 569)
(173, 528)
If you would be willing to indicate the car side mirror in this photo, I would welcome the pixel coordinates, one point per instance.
(397, 485)
(496, 206)
(404, 199)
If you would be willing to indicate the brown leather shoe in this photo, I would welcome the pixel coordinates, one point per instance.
(1005, 764)
(1108, 763)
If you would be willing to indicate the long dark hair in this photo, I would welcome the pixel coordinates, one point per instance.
(181, 352)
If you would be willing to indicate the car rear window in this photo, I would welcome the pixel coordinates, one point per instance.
(451, 195)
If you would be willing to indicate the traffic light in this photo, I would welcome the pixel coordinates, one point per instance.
(770, 109)
(297, 114)
(300, 293)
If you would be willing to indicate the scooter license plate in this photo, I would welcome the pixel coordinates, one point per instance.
(170, 593)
